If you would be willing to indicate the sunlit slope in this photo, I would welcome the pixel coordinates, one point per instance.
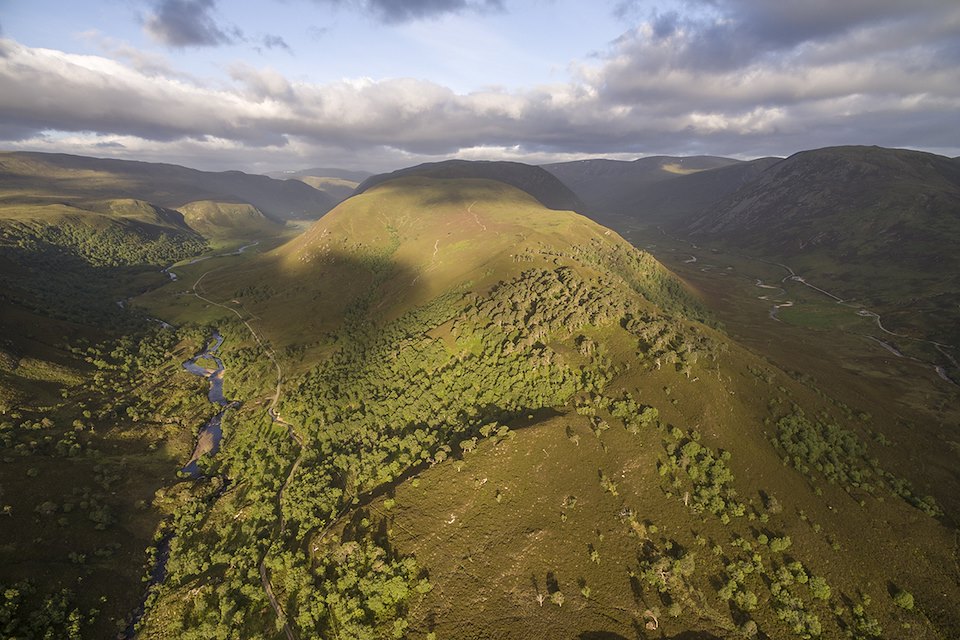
(338, 188)
(539, 183)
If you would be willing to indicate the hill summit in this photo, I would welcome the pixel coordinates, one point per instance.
(537, 182)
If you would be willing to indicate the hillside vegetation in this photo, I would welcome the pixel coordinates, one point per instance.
(219, 220)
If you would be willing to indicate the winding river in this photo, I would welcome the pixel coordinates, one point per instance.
(208, 443)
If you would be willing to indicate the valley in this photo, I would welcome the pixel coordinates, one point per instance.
(461, 409)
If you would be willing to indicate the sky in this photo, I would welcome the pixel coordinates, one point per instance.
(381, 84)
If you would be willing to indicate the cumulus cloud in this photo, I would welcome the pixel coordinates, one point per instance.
(888, 77)
(186, 23)
(395, 11)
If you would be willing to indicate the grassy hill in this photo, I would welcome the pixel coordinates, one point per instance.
(339, 184)
(501, 420)
(540, 184)
(219, 220)
(338, 188)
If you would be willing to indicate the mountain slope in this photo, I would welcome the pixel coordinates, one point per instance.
(339, 184)
(603, 184)
(38, 177)
(467, 415)
(870, 224)
(538, 183)
(219, 219)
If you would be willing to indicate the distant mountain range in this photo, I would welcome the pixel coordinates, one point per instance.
(37, 177)
(321, 172)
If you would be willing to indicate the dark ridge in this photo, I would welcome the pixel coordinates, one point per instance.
(907, 186)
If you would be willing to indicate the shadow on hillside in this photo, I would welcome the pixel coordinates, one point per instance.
(301, 300)
(66, 296)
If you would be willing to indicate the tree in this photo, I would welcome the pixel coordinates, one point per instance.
(819, 588)
(903, 599)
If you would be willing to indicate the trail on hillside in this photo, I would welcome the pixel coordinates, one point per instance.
(482, 226)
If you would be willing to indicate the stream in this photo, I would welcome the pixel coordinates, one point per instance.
(208, 440)
(173, 276)
(208, 443)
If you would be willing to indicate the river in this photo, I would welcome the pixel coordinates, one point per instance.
(208, 440)
(208, 443)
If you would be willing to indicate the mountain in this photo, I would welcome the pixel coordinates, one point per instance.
(337, 188)
(38, 177)
(603, 184)
(339, 184)
(870, 224)
(350, 175)
(444, 410)
(655, 190)
(465, 414)
(538, 183)
(681, 199)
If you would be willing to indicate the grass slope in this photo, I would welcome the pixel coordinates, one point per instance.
(223, 220)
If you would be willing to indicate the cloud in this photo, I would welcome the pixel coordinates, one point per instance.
(317, 33)
(147, 63)
(397, 11)
(671, 84)
(187, 23)
(274, 42)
